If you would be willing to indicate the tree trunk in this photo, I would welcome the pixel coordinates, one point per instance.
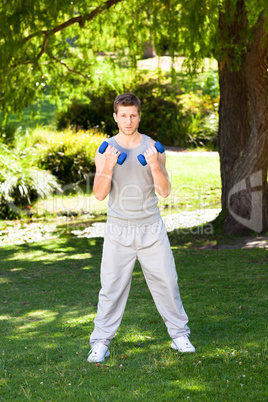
(243, 123)
(149, 50)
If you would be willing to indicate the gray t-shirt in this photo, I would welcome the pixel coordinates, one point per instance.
(132, 197)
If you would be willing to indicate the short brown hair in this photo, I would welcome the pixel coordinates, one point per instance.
(127, 99)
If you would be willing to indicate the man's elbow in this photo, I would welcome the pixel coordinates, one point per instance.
(165, 194)
(99, 196)
(164, 191)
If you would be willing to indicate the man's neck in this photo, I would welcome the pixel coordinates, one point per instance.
(128, 141)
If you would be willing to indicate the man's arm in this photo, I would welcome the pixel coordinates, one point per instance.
(157, 163)
(105, 164)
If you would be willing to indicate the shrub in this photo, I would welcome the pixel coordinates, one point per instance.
(175, 114)
(21, 183)
(97, 114)
(200, 119)
(9, 132)
(182, 114)
(67, 155)
(40, 160)
(160, 113)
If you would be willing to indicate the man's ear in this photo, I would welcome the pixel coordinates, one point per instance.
(115, 118)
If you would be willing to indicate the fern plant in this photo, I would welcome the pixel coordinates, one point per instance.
(21, 183)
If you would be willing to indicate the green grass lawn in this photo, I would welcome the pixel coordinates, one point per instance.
(49, 293)
(195, 180)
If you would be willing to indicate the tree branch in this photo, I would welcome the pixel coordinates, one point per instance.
(66, 66)
(75, 20)
(43, 50)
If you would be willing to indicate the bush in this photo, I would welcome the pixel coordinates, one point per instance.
(160, 117)
(176, 114)
(180, 114)
(97, 114)
(39, 161)
(67, 155)
(21, 183)
(9, 132)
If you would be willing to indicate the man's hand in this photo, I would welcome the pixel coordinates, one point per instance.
(157, 163)
(151, 157)
(111, 155)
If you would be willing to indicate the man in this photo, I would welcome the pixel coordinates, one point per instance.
(134, 229)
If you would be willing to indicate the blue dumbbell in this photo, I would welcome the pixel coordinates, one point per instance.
(159, 148)
(121, 158)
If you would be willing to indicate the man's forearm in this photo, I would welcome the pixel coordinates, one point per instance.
(102, 184)
(161, 181)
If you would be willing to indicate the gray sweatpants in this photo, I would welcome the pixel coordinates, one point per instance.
(150, 245)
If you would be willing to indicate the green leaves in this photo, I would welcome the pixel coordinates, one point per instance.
(40, 43)
(20, 183)
(58, 43)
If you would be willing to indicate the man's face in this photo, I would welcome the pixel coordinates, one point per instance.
(127, 119)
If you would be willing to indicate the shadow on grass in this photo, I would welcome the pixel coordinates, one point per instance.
(49, 293)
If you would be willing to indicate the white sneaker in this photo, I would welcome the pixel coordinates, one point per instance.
(98, 353)
(182, 344)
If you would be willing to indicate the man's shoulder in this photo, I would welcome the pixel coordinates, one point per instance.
(151, 141)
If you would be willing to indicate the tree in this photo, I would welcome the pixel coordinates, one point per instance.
(235, 33)
(243, 130)
(56, 43)
(44, 43)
